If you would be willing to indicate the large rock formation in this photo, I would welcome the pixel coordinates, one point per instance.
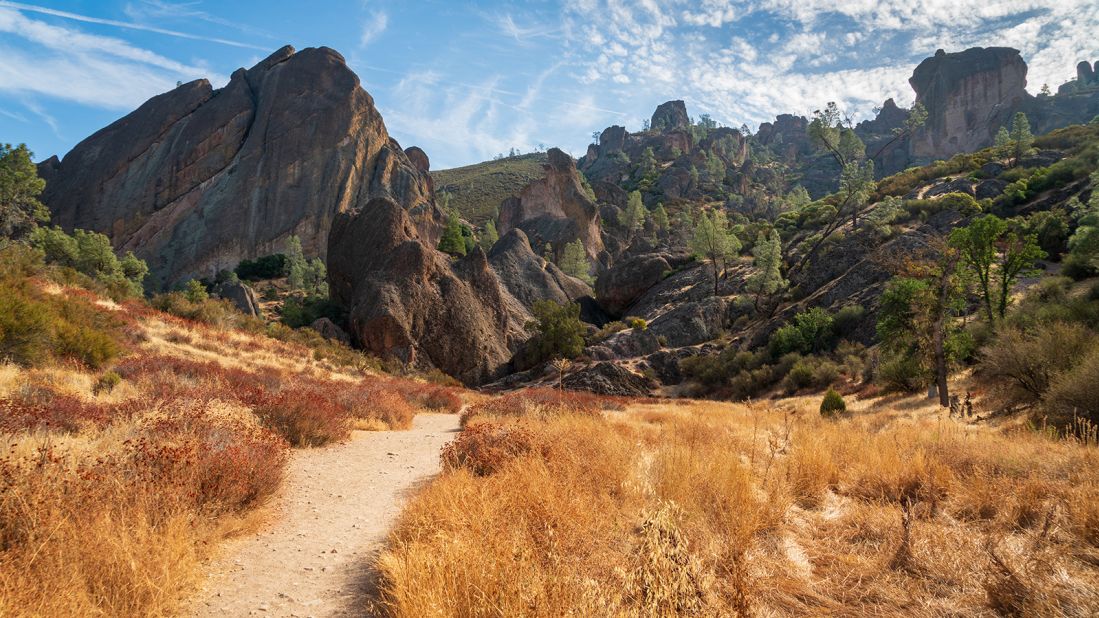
(670, 115)
(555, 209)
(530, 278)
(197, 179)
(408, 300)
(969, 95)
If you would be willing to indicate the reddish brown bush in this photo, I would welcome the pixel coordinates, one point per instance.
(379, 399)
(432, 396)
(305, 416)
(485, 447)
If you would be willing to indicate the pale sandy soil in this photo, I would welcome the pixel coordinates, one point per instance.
(312, 557)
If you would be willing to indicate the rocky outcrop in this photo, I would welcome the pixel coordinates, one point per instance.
(690, 323)
(329, 330)
(408, 300)
(968, 95)
(605, 378)
(670, 115)
(197, 179)
(530, 278)
(241, 295)
(620, 286)
(555, 209)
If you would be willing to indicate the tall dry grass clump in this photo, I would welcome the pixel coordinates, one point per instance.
(722, 510)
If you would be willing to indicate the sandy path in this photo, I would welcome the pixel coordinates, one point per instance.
(313, 556)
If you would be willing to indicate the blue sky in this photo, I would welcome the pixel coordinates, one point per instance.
(466, 80)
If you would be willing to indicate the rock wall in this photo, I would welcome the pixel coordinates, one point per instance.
(969, 95)
(197, 179)
(555, 209)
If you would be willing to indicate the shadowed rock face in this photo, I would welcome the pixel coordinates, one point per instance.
(670, 115)
(197, 179)
(969, 95)
(407, 300)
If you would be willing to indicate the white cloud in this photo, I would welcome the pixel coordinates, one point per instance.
(121, 24)
(64, 63)
(859, 52)
(374, 26)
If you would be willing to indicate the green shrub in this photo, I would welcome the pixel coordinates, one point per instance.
(557, 329)
(266, 267)
(636, 322)
(106, 382)
(786, 339)
(902, 372)
(26, 326)
(847, 319)
(91, 254)
(299, 312)
(801, 375)
(832, 404)
(195, 292)
(91, 347)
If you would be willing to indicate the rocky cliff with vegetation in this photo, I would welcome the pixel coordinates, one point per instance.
(198, 179)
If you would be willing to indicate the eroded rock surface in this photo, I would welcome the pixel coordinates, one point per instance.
(197, 179)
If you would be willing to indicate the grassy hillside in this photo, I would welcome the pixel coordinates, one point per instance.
(551, 507)
(477, 190)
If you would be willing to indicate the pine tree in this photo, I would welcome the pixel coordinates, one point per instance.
(296, 265)
(660, 219)
(451, 241)
(713, 241)
(574, 261)
(633, 217)
(768, 262)
(489, 236)
(1002, 146)
(1021, 137)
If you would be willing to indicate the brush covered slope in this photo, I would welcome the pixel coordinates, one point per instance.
(134, 439)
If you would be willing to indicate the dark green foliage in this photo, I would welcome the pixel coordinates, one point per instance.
(1051, 229)
(452, 240)
(91, 254)
(811, 331)
(300, 312)
(557, 329)
(262, 268)
(847, 319)
(20, 210)
(832, 404)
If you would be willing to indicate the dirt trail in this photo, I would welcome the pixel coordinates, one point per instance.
(313, 556)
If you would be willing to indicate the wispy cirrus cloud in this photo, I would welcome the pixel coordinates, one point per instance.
(122, 24)
(373, 27)
(72, 65)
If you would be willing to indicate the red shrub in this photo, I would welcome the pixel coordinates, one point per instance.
(431, 396)
(376, 398)
(305, 416)
(44, 409)
(485, 447)
(214, 464)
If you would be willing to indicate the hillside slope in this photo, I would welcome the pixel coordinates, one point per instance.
(477, 190)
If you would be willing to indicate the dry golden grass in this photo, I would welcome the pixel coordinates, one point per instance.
(715, 509)
(109, 498)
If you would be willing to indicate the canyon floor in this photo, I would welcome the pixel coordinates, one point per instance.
(312, 555)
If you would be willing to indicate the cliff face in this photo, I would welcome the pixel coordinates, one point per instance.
(969, 95)
(197, 179)
(555, 209)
